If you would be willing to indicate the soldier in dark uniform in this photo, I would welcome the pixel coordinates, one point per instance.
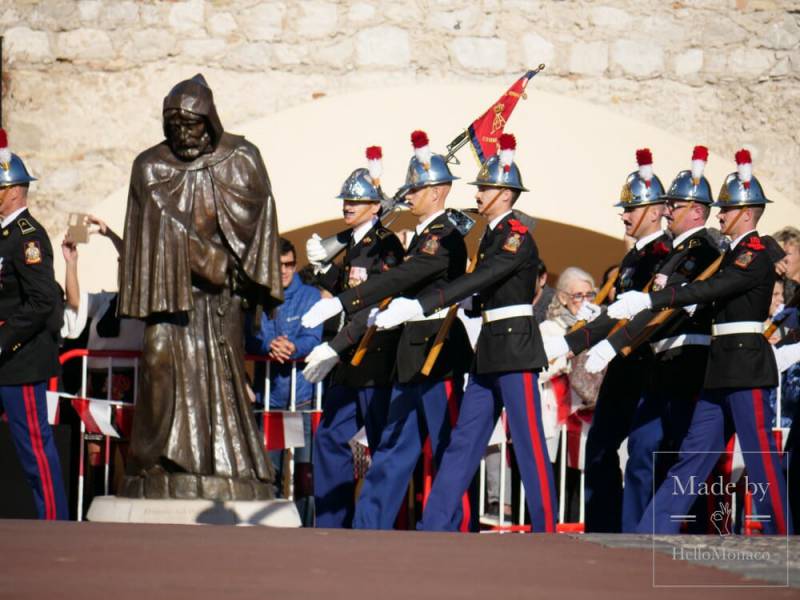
(680, 346)
(421, 406)
(642, 203)
(31, 311)
(508, 353)
(359, 396)
(741, 366)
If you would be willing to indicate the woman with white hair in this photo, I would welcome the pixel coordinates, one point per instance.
(566, 387)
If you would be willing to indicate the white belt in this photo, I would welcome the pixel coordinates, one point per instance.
(439, 314)
(737, 327)
(507, 312)
(687, 339)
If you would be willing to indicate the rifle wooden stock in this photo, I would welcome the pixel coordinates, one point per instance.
(662, 317)
(367, 337)
(438, 342)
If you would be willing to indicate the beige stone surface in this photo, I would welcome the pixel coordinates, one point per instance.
(84, 80)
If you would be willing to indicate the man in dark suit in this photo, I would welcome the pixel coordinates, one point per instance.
(741, 367)
(421, 406)
(31, 312)
(508, 353)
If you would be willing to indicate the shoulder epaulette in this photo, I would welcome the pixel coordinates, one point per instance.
(436, 227)
(694, 243)
(382, 232)
(25, 226)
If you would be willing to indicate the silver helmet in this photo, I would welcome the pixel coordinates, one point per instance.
(642, 187)
(12, 169)
(500, 170)
(691, 185)
(425, 168)
(360, 187)
(741, 188)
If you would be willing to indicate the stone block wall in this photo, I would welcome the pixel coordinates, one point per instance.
(84, 80)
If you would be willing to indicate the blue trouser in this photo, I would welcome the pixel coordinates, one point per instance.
(616, 403)
(417, 411)
(717, 415)
(26, 408)
(659, 414)
(344, 412)
(483, 400)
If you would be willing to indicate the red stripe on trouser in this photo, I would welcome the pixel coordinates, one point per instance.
(37, 446)
(766, 458)
(273, 431)
(538, 454)
(452, 411)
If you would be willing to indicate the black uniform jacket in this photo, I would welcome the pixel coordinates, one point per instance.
(635, 271)
(505, 275)
(434, 258)
(680, 267)
(31, 307)
(740, 291)
(378, 251)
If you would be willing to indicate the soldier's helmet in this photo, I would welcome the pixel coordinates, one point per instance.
(12, 169)
(642, 187)
(363, 185)
(500, 170)
(425, 168)
(691, 185)
(741, 188)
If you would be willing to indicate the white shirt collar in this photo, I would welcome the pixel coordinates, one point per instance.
(493, 223)
(421, 227)
(740, 238)
(686, 234)
(642, 242)
(10, 218)
(361, 230)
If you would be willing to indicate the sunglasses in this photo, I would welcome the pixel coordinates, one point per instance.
(579, 296)
(289, 265)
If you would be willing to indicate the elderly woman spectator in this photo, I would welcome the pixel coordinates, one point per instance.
(566, 386)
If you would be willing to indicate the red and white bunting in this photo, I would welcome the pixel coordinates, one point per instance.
(578, 425)
(52, 407)
(96, 416)
(123, 420)
(283, 429)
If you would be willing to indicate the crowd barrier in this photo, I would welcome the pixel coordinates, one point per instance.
(284, 430)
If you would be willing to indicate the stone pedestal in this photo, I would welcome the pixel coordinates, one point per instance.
(272, 513)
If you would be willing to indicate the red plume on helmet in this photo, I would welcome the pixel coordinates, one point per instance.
(699, 159)
(506, 144)
(744, 166)
(5, 153)
(644, 159)
(375, 164)
(422, 149)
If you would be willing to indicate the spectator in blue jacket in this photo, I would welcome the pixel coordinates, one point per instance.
(284, 340)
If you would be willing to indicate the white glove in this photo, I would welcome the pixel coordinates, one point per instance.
(322, 310)
(373, 312)
(629, 304)
(555, 347)
(319, 363)
(786, 356)
(690, 309)
(599, 356)
(588, 312)
(314, 250)
(399, 311)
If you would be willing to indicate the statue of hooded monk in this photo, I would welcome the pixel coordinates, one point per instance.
(200, 246)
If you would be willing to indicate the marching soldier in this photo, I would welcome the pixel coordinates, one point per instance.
(31, 312)
(680, 346)
(508, 354)
(741, 366)
(420, 406)
(642, 203)
(359, 396)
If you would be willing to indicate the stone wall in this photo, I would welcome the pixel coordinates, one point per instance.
(83, 81)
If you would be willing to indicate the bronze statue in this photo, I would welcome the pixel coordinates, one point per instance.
(200, 245)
